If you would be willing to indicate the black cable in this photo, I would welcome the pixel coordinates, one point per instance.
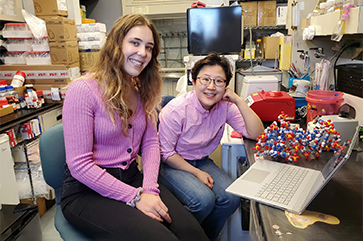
(356, 45)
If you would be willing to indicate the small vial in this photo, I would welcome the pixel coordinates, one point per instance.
(22, 102)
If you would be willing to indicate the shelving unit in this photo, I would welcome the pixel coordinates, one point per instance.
(325, 24)
(21, 116)
(282, 27)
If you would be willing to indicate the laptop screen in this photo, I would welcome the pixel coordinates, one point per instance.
(341, 155)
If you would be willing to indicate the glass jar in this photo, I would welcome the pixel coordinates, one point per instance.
(259, 49)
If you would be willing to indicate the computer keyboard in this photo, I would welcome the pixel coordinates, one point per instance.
(285, 184)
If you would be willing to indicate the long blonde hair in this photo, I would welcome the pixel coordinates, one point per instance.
(108, 71)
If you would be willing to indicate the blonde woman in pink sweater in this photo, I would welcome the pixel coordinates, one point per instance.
(109, 115)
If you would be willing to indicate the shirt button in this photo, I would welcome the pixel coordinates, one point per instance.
(129, 150)
(124, 163)
(130, 126)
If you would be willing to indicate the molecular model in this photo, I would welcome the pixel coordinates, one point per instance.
(287, 141)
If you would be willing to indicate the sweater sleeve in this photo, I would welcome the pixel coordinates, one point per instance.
(150, 150)
(79, 109)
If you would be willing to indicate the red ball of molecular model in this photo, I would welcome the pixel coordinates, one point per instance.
(287, 141)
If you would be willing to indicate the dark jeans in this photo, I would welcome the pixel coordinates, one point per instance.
(101, 218)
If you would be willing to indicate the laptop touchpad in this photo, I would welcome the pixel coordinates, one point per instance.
(256, 175)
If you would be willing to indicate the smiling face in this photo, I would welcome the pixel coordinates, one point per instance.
(209, 95)
(137, 49)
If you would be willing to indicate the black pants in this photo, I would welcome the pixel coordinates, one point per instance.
(101, 218)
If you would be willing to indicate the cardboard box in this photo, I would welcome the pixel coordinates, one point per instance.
(6, 110)
(65, 52)
(271, 47)
(50, 7)
(251, 10)
(87, 58)
(266, 14)
(305, 22)
(61, 29)
(42, 208)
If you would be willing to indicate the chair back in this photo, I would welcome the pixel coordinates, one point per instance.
(53, 160)
(53, 157)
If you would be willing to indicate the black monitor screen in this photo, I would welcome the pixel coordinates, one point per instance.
(214, 30)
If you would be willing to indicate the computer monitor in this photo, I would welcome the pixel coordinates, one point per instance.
(215, 30)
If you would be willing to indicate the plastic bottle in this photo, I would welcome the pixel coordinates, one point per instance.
(11, 91)
(3, 83)
(259, 50)
(11, 101)
(40, 96)
(22, 102)
(3, 93)
(18, 79)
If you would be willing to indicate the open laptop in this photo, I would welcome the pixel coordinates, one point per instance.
(294, 187)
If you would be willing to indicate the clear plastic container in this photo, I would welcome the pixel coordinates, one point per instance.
(16, 30)
(14, 57)
(40, 44)
(3, 93)
(38, 58)
(18, 44)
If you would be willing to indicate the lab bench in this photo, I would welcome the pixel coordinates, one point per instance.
(341, 198)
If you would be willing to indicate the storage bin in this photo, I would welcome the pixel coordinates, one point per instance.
(322, 102)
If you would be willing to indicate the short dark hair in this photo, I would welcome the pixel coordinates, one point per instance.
(211, 60)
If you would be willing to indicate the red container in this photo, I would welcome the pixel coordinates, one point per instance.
(322, 102)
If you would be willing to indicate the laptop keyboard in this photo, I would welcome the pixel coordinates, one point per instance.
(284, 186)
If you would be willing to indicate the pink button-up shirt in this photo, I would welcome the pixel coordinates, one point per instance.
(189, 130)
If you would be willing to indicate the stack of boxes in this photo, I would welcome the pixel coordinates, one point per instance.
(62, 34)
(63, 49)
(22, 47)
(91, 37)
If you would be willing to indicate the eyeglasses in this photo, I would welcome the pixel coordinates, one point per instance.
(205, 81)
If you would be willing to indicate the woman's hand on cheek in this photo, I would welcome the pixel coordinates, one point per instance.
(230, 96)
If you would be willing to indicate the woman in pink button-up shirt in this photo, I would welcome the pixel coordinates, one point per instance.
(191, 128)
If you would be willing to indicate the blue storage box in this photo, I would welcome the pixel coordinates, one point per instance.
(299, 102)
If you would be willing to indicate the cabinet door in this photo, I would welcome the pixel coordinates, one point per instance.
(8, 185)
(12, 11)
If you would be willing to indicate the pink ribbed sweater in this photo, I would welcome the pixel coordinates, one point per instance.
(91, 141)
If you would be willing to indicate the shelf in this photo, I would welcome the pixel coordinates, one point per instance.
(255, 60)
(265, 27)
(23, 115)
(325, 24)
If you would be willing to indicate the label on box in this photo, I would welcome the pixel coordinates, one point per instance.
(62, 5)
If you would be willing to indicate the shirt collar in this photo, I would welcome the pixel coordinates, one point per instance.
(198, 106)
